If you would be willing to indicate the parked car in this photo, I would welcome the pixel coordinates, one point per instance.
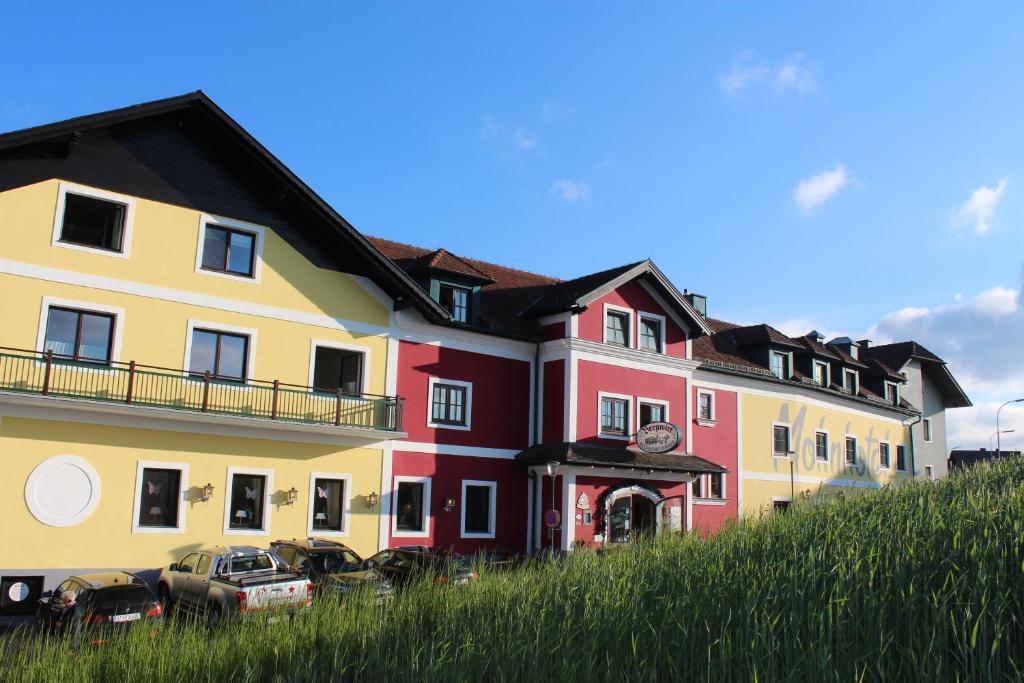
(330, 565)
(230, 581)
(104, 603)
(402, 566)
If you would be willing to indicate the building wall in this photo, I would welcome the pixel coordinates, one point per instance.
(633, 296)
(554, 398)
(595, 488)
(717, 443)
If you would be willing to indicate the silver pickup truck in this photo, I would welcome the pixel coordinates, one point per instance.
(230, 581)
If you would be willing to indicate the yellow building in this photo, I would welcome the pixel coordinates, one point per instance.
(171, 294)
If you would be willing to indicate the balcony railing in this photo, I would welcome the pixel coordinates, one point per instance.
(49, 374)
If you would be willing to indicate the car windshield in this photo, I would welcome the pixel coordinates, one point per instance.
(120, 597)
(333, 561)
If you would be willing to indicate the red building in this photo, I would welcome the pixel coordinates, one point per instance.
(530, 401)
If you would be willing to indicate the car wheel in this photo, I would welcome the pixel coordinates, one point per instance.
(166, 603)
(214, 615)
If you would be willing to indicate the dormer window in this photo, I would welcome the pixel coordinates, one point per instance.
(892, 393)
(651, 329)
(616, 327)
(456, 301)
(821, 373)
(850, 382)
(780, 364)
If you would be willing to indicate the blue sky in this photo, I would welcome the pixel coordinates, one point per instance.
(854, 169)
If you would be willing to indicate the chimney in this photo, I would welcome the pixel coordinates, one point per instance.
(864, 345)
(816, 336)
(698, 301)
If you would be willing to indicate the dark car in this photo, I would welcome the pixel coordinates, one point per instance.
(103, 603)
(404, 565)
(330, 565)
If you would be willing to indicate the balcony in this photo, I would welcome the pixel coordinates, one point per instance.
(132, 384)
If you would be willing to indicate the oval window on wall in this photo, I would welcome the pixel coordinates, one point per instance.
(62, 491)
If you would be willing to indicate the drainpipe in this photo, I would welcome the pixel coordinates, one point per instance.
(531, 542)
(913, 464)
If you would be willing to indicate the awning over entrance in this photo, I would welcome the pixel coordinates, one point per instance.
(615, 457)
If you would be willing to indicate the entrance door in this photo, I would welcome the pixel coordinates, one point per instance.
(669, 513)
(629, 517)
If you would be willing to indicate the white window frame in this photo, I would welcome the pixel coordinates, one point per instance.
(427, 517)
(250, 347)
(700, 482)
(257, 260)
(267, 503)
(660, 319)
(628, 436)
(856, 381)
(780, 499)
(140, 468)
(888, 445)
(116, 311)
(828, 445)
(491, 512)
(896, 458)
(929, 472)
(467, 408)
(705, 490)
(707, 422)
(364, 381)
(927, 435)
(856, 450)
(630, 332)
(789, 363)
(896, 389)
(650, 401)
(789, 441)
(58, 221)
(827, 373)
(346, 510)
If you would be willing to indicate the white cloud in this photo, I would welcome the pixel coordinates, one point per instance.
(810, 193)
(524, 140)
(794, 73)
(978, 210)
(571, 190)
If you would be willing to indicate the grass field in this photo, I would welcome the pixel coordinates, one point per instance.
(923, 582)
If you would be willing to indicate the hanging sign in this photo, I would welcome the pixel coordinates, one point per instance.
(583, 502)
(552, 518)
(658, 437)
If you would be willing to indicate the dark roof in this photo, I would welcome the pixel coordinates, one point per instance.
(446, 262)
(761, 335)
(619, 457)
(566, 294)
(813, 346)
(898, 354)
(64, 134)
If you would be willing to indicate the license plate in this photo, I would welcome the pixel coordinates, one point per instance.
(119, 618)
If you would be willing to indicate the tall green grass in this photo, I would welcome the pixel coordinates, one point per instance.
(922, 582)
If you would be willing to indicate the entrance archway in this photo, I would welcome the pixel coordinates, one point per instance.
(631, 512)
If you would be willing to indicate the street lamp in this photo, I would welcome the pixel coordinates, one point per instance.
(1005, 431)
(552, 471)
(998, 440)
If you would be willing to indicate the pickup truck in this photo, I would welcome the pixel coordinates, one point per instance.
(232, 581)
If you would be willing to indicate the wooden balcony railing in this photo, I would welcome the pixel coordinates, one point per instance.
(49, 374)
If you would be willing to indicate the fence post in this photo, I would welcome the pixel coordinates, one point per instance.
(273, 407)
(46, 376)
(131, 381)
(206, 390)
(337, 409)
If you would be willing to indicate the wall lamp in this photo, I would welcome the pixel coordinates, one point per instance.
(291, 495)
(371, 500)
(449, 504)
(207, 492)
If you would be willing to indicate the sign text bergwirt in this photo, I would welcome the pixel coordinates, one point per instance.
(658, 437)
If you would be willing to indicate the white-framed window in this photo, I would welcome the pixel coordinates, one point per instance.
(883, 455)
(225, 351)
(780, 505)
(450, 404)
(230, 248)
(651, 332)
(901, 458)
(850, 451)
(926, 425)
(479, 507)
(650, 410)
(780, 364)
(697, 486)
(247, 501)
(929, 473)
(456, 300)
(822, 374)
(336, 365)
(80, 331)
(716, 486)
(892, 393)
(92, 220)
(410, 507)
(820, 445)
(850, 382)
(160, 489)
(705, 406)
(618, 325)
(614, 418)
(781, 442)
(330, 503)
